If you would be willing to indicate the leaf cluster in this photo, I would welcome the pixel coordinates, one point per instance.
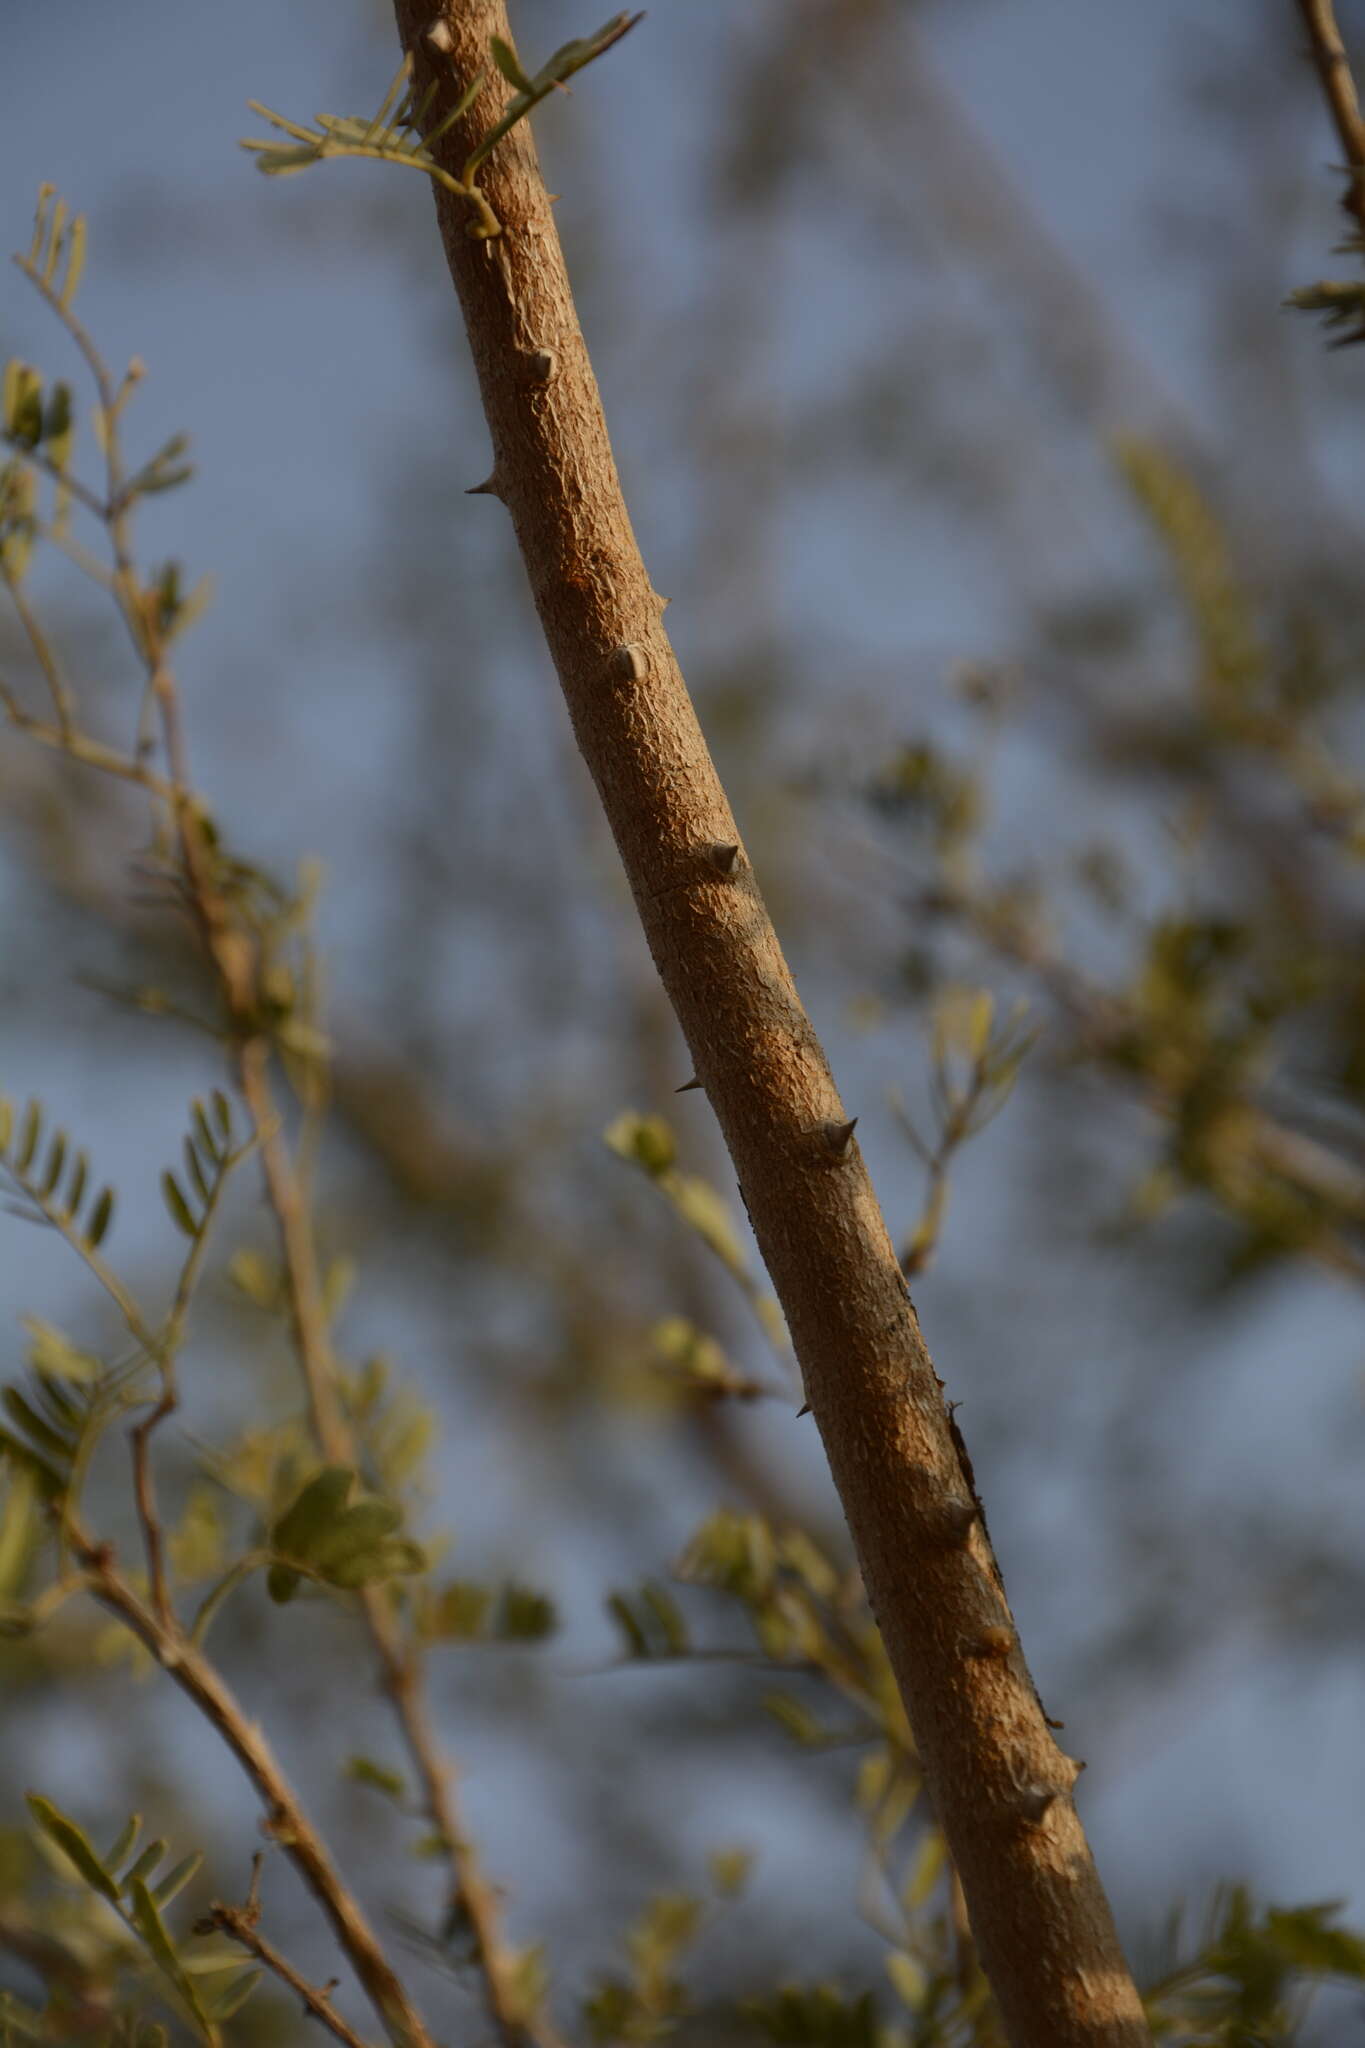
(399, 132)
(205, 1983)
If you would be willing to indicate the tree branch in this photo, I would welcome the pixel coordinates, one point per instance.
(286, 1819)
(999, 1784)
(239, 1924)
(233, 952)
(1339, 90)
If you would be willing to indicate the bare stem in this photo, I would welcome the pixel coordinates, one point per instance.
(1343, 103)
(239, 1922)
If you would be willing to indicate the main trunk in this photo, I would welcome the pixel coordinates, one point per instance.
(1000, 1786)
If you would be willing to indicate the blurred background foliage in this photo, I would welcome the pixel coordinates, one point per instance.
(1014, 537)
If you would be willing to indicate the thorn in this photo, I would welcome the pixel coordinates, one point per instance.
(541, 363)
(439, 35)
(957, 1517)
(839, 1137)
(805, 1410)
(724, 858)
(662, 602)
(687, 1085)
(995, 1641)
(489, 488)
(1036, 1802)
(630, 662)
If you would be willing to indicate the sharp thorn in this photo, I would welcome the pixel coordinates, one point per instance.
(803, 1411)
(958, 1515)
(687, 1086)
(839, 1137)
(1036, 1802)
(724, 858)
(489, 488)
(995, 1641)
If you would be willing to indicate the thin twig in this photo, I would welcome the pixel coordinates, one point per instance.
(1343, 103)
(79, 746)
(237, 1922)
(234, 957)
(286, 1818)
(43, 655)
(232, 953)
(91, 500)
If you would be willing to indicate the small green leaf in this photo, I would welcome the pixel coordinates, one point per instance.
(222, 1114)
(37, 1427)
(56, 1160)
(321, 1501)
(145, 1865)
(75, 261)
(74, 1845)
(665, 1611)
(28, 1137)
(637, 1643)
(19, 1530)
(255, 1277)
(730, 1869)
(908, 1977)
(178, 1207)
(281, 1583)
(524, 1616)
(385, 1561)
(126, 1839)
(175, 1880)
(51, 1481)
(362, 1527)
(100, 1218)
(195, 1171)
(75, 1189)
(647, 1141)
(234, 1996)
(926, 1870)
(57, 418)
(795, 1717)
(149, 1924)
(458, 1613)
(505, 57)
(204, 1131)
(52, 1355)
(363, 1770)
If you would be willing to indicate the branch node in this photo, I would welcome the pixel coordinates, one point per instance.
(541, 364)
(725, 859)
(440, 35)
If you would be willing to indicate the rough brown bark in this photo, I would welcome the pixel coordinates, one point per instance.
(1000, 1785)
